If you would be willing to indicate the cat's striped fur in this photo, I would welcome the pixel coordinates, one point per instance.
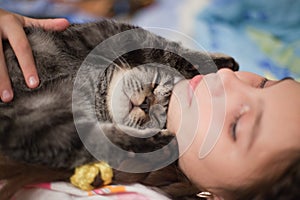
(38, 126)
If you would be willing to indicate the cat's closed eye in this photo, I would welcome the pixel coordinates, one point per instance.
(139, 97)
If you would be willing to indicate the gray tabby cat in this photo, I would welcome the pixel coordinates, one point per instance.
(130, 97)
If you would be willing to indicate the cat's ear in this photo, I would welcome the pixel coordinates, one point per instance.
(224, 61)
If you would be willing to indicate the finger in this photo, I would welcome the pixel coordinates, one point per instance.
(6, 93)
(58, 24)
(19, 42)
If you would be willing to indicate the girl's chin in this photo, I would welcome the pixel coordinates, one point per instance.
(173, 115)
(174, 111)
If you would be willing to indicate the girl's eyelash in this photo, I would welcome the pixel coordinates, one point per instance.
(233, 128)
(263, 83)
(243, 110)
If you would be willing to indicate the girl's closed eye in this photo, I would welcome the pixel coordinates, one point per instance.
(263, 83)
(233, 127)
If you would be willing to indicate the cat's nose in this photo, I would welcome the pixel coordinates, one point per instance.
(147, 103)
(145, 106)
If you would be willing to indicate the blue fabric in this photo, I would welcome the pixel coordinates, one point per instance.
(264, 36)
(281, 18)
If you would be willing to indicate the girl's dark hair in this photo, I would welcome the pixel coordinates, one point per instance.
(284, 187)
(169, 180)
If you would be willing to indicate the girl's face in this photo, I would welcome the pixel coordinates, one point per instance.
(234, 127)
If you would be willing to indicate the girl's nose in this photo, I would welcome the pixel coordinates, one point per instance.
(228, 77)
(240, 80)
(238, 89)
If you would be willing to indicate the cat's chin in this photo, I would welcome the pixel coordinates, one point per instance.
(177, 79)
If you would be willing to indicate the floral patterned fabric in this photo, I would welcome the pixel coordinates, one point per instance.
(66, 191)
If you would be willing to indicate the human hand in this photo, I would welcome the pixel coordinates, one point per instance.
(11, 28)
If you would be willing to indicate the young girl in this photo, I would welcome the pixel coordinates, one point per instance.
(254, 143)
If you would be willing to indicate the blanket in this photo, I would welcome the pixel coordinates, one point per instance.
(263, 36)
(66, 191)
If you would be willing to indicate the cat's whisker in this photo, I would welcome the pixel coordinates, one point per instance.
(118, 66)
(124, 62)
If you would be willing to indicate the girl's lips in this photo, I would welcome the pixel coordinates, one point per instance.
(192, 86)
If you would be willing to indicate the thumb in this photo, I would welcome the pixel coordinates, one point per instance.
(58, 24)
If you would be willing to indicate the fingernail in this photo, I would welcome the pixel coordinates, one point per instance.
(6, 96)
(32, 81)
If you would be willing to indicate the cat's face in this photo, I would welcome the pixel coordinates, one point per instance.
(139, 97)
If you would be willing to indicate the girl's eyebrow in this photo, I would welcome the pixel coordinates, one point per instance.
(257, 122)
(286, 78)
(281, 80)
